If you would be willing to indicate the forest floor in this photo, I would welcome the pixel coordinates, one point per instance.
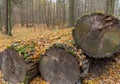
(21, 34)
(110, 76)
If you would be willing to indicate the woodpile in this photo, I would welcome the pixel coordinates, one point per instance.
(96, 34)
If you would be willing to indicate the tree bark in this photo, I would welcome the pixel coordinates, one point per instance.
(8, 27)
(1, 23)
(6, 17)
(71, 13)
(110, 6)
(9, 17)
(16, 68)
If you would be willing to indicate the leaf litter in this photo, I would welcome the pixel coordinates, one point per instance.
(43, 41)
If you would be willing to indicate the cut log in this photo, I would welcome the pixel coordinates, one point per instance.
(57, 66)
(98, 35)
(15, 68)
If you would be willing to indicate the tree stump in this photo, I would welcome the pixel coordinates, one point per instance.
(98, 35)
(16, 68)
(57, 66)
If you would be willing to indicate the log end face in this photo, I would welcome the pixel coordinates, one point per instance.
(97, 35)
(13, 66)
(59, 67)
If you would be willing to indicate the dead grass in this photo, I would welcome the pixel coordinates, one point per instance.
(21, 33)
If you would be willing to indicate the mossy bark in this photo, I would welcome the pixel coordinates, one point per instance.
(16, 65)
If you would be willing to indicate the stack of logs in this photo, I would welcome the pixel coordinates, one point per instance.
(96, 34)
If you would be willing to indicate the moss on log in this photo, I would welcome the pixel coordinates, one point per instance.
(16, 64)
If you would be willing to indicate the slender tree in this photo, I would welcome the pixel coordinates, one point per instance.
(110, 6)
(0, 19)
(71, 13)
(8, 27)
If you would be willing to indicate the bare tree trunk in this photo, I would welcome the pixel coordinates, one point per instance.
(71, 13)
(64, 13)
(8, 18)
(110, 6)
(0, 19)
(22, 15)
(116, 9)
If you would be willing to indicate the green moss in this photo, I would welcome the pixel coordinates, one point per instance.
(59, 37)
(26, 81)
(71, 42)
(23, 49)
(70, 51)
(57, 45)
(67, 48)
